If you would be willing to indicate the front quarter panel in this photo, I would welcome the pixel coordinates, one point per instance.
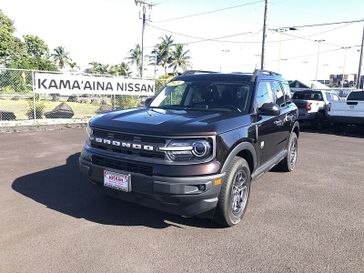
(231, 143)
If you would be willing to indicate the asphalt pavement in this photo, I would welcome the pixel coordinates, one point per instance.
(53, 220)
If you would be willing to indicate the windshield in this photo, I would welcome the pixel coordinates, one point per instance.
(204, 95)
(307, 95)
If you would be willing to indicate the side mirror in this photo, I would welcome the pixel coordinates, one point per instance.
(269, 109)
(148, 101)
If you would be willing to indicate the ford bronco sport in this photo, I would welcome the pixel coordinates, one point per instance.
(197, 146)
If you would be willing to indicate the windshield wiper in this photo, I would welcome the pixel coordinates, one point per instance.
(171, 107)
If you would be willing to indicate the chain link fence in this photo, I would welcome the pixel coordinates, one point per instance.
(18, 102)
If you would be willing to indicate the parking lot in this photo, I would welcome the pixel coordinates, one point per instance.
(53, 220)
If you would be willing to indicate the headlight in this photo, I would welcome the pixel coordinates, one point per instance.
(89, 133)
(186, 150)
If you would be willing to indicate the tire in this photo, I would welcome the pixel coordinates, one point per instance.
(234, 194)
(317, 122)
(288, 164)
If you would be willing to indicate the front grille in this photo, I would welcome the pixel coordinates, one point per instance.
(128, 137)
(121, 137)
(122, 165)
(160, 155)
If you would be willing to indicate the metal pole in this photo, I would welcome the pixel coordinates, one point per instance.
(143, 5)
(280, 51)
(143, 27)
(344, 64)
(34, 109)
(264, 30)
(360, 60)
(318, 56)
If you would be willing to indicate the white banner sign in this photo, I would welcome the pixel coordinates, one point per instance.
(67, 84)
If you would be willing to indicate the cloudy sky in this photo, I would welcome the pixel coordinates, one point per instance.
(104, 31)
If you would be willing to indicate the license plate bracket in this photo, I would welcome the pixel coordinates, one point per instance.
(117, 181)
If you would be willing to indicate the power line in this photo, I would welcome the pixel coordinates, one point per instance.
(309, 55)
(308, 39)
(208, 12)
(297, 57)
(201, 39)
(326, 24)
(218, 39)
(310, 35)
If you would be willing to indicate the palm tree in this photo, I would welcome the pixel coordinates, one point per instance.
(122, 69)
(61, 57)
(135, 57)
(162, 52)
(180, 58)
(74, 66)
(98, 68)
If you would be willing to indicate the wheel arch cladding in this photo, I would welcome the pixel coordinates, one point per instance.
(296, 128)
(245, 150)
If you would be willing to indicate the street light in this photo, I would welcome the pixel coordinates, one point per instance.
(225, 51)
(342, 78)
(318, 56)
(280, 31)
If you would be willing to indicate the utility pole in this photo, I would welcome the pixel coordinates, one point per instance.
(264, 31)
(318, 56)
(143, 5)
(360, 60)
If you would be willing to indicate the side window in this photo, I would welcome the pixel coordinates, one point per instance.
(264, 94)
(332, 97)
(196, 96)
(278, 92)
(287, 92)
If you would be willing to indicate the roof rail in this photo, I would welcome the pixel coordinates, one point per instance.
(263, 72)
(191, 72)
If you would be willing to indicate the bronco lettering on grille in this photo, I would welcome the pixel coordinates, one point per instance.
(129, 145)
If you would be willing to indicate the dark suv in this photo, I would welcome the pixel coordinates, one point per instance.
(195, 148)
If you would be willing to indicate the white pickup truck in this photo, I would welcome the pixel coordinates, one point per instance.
(312, 105)
(349, 111)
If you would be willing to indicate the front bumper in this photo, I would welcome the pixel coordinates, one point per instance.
(188, 196)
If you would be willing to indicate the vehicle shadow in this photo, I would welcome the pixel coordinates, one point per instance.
(348, 130)
(65, 190)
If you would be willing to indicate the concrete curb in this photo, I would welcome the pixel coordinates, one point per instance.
(41, 125)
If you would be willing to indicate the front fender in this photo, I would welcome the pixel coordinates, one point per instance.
(239, 148)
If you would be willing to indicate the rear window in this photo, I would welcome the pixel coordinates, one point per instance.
(356, 96)
(307, 95)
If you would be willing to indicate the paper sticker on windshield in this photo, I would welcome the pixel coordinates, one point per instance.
(175, 83)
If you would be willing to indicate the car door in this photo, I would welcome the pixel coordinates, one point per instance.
(283, 121)
(266, 126)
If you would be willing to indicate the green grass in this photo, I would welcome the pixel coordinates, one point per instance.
(20, 108)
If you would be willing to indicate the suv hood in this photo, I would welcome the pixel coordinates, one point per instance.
(156, 121)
